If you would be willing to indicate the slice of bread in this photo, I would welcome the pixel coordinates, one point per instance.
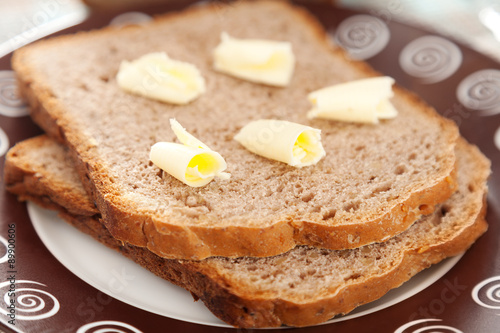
(374, 182)
(304, 286)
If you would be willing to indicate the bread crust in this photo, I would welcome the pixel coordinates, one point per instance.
(246, 311)
(235, 304)
(27, 181)
(171, 240)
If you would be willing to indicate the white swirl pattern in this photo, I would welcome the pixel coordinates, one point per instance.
(481, 91)
(130, 18)
(488, 291)
(30, 301)
(430, 58)
(363, 36)
(108, 326)
(4, 243)
(11, 104)
(4, 142)
(429, 329)
(497, 138)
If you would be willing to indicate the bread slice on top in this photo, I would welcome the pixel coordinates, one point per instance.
(304, 286)
(373, 183)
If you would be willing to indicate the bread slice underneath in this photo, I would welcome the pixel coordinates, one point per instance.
(374, 182)
(304, 286)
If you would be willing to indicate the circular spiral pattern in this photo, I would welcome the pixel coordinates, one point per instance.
(427, 328)
(4, 142)
(108, 326)
(4, 243)
(130, 18)
(481, 91)
(430, 58)
(487, 293)
(11, 104)
(496, 139)
(363, 36)
(31, 303)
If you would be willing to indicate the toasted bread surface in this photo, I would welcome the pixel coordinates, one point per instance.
(374, 182)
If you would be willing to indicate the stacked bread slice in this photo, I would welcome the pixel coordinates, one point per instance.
(273, 245)
(304, 286)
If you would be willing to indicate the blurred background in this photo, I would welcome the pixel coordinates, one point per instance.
(475, 23)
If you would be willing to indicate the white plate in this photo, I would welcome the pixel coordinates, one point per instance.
(121, 278)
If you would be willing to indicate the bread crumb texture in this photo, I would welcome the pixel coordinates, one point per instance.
(306, 271)
(368, 170)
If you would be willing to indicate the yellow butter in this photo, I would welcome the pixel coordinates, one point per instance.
(365, 100)
(156, 76)
(257, 60)
(284, 141)
(190, 161)
(185, 137)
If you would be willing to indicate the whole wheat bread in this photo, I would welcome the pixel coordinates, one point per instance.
(304, 286)
(375, 181)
